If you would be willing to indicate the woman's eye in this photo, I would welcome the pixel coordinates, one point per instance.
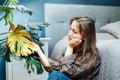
(75, 32)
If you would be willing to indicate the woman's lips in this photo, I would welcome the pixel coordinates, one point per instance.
(69, 38)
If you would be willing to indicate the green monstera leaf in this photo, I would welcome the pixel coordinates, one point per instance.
(8, 10)
(9, 7)
(19, 41)
(10, 2)
(17, 44)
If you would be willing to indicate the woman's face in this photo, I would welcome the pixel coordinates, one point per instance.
(74, 31)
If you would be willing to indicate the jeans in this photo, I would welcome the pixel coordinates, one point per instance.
(57, 75)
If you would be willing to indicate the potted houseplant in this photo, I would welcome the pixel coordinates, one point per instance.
(17, 44)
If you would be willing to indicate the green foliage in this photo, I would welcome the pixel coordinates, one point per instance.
(19, 41)
(8, 3)
(10, 49)
(8, 17)
(34, 62)
(9, 7)
(17, 45)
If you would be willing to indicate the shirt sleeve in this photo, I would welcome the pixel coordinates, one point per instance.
(58, 63)
(78, 68)
(70, 67)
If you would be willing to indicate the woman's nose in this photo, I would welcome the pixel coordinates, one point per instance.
(70, 33)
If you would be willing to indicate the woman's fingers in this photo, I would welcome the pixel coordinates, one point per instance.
(76, 40)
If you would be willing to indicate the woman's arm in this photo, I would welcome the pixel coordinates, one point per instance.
(71, 45)
(78, 68)
(42, 56)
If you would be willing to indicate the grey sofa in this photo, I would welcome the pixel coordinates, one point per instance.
(58, 16)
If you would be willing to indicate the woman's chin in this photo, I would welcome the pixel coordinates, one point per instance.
(69, 40)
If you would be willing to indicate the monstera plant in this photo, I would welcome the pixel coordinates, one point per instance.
(17, 43)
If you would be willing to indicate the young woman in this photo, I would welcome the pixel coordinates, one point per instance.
(81, 60)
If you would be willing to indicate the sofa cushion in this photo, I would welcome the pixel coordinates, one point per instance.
(112, 28)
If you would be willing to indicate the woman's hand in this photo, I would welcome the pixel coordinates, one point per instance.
(71, 44)
(74, 42)
(42, 56)
(36, 48)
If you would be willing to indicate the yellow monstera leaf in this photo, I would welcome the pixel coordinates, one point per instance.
(19, 41)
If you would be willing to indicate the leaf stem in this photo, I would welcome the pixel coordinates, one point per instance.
(4, 33)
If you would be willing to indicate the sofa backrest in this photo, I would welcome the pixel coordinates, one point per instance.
(58, 16)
